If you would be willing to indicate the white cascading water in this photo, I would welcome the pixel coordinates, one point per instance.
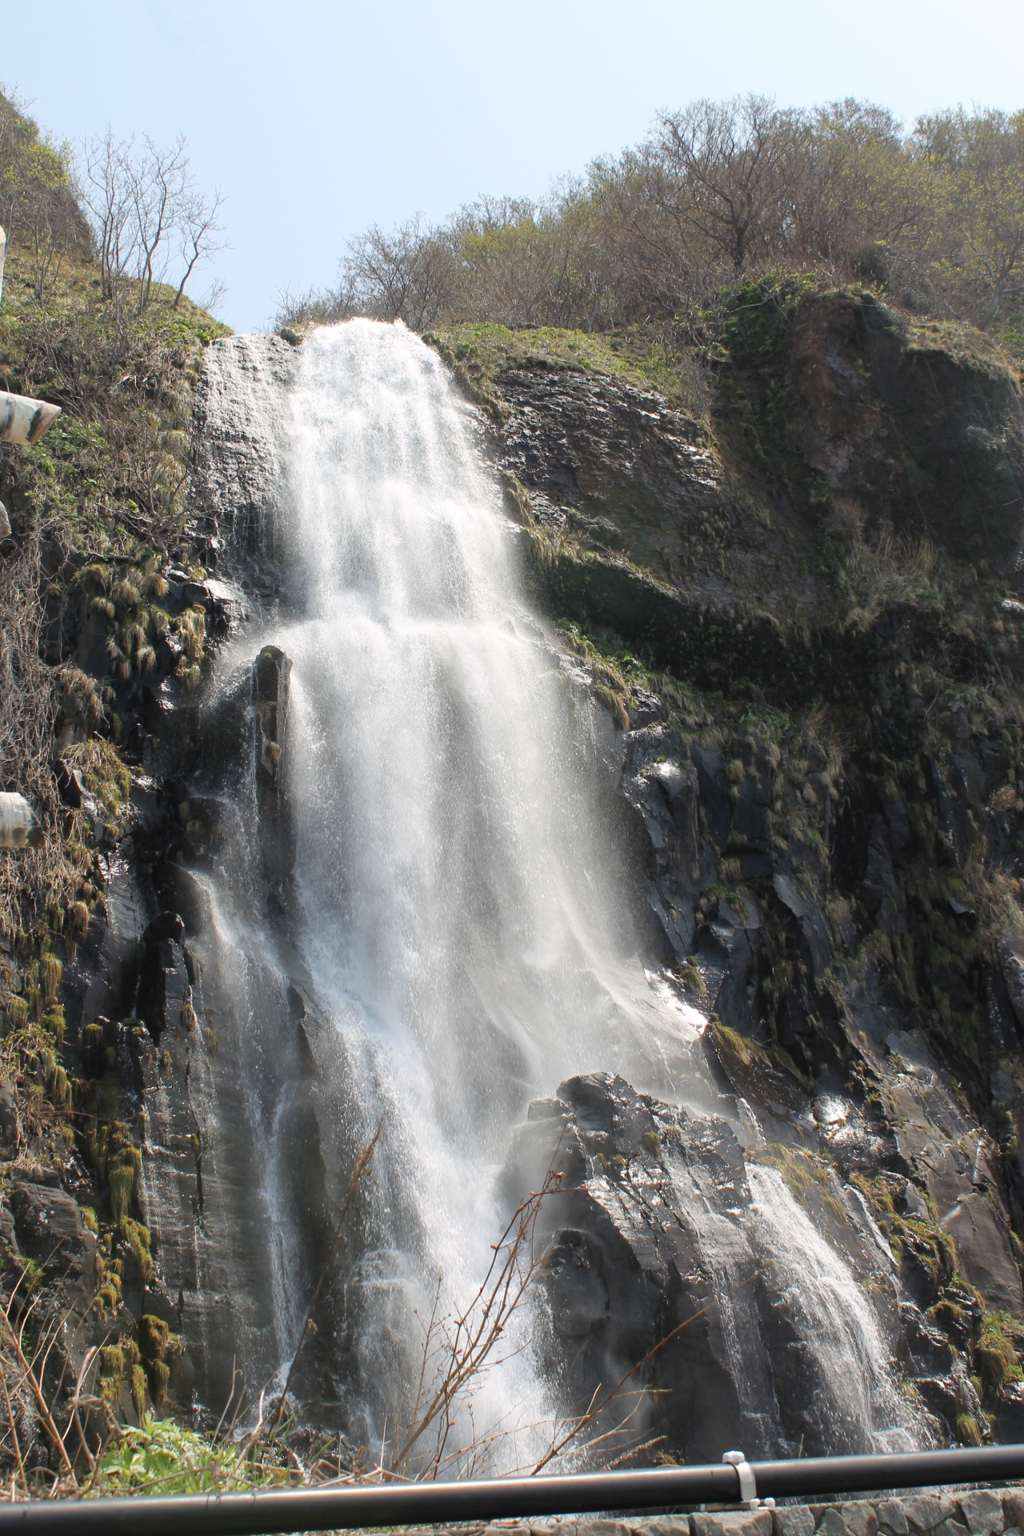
(835, 1323)
(456, 909)
(725, 1247)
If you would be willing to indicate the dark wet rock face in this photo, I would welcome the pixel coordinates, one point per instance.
(598, 455)
(643, 492)
(907, 438)
(626, 1268)
(841, 1073)
(48, 1227)
(832, 423)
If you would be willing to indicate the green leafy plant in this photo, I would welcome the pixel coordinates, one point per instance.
(162, 1456)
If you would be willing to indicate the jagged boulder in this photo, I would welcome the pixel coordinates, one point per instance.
(49, 1227)
(668, 1248)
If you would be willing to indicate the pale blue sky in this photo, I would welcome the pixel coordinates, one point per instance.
(318, 118)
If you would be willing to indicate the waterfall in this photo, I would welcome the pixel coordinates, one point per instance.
(456, 906)
(726, 1250)
(846, 1370)
(451, 909)
(417, 865)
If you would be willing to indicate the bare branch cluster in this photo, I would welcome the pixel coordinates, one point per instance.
(60, 1433)
(148, 217)
(459, 1349)
(49, 1412)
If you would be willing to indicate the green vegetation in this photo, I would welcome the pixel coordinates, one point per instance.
(38, 208)
(96, 507)
(98, 519)
(108, 477)
(996, 1353)
(804, 1172)
(969, 1430)
(97, 513)
(993, 1340)
(934, 1250)
(705, 715)
(162, 1456)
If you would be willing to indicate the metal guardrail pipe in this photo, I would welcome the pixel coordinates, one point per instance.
(330, 1509)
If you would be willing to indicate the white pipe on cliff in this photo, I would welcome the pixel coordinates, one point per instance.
(23, 420)
(18, 825)
(3, 254)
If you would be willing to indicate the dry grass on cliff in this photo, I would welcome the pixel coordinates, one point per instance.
(642, 356)
(886, 571)
(38, 886)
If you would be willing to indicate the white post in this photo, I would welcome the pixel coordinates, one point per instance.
(18, 825)
(3, 254)
(23, 420)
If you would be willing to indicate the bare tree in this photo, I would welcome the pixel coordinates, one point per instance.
(105, 192)
(856, 187)
(158, 184)
(732, 163)
(406, 275)
(146, 213)
(197, 230)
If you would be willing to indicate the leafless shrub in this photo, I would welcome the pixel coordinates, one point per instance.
(406, 275)
(458, 1350)
(146, 214)
(49, 1410)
